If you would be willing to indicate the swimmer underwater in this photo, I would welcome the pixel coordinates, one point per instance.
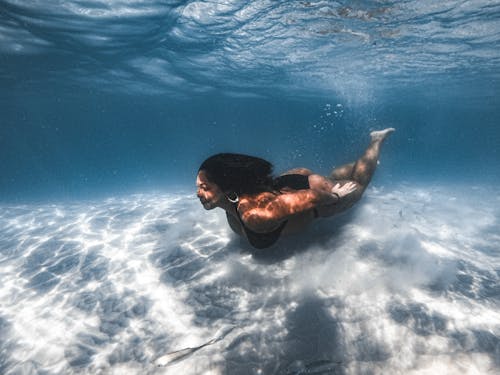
(262, 208)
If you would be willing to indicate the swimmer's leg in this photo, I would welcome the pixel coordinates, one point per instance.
(361, 173)
(365, 166)
(344, 172)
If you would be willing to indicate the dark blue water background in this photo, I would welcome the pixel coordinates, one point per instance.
(106, 97)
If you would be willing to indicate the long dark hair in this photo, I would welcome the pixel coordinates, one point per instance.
(238, 173)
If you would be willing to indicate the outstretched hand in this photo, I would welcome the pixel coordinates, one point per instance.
(345, 189)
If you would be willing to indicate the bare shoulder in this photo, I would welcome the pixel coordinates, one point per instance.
(260, 200)
(266, 211)
(258, 211)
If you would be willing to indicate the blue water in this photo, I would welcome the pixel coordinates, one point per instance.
(100, 96)
(107, 108)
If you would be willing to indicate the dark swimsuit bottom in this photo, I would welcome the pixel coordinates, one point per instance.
(263, 240)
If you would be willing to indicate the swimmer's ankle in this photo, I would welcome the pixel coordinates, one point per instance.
(380, 135)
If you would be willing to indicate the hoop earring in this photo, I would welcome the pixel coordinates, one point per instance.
(233, 197)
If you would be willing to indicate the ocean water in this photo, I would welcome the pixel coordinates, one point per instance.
(109, 264)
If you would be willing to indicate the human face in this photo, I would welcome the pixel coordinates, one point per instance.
(208, 192)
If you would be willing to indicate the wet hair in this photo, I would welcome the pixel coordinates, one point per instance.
(239, 173)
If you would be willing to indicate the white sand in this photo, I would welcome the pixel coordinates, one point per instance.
(406, 283)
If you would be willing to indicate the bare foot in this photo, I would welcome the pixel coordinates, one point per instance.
(379, 135)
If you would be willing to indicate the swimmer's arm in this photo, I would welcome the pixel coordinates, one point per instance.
(268, 217)
(282, 207)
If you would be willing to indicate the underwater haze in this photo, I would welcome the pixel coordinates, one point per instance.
(110, 265)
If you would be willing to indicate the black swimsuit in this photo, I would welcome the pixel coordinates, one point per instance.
(263, 240)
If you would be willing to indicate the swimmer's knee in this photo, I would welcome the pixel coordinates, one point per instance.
(343, 172)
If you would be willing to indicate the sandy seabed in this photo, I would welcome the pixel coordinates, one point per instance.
(405, 283)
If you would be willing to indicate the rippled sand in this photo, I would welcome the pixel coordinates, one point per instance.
(406, 283)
